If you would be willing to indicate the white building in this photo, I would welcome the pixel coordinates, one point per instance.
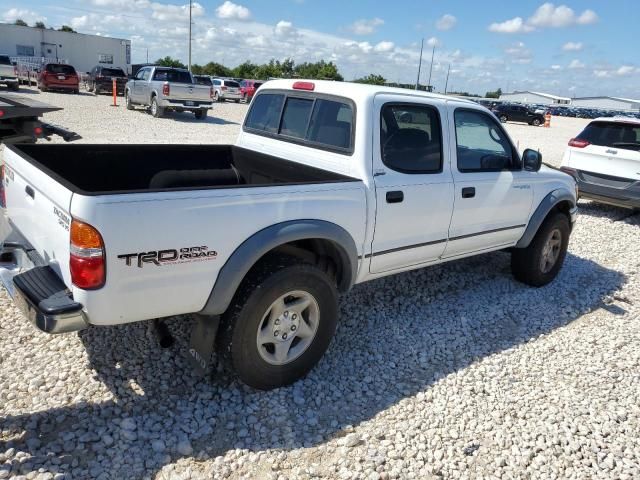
(534, 97)
(32, 45)
(607, 103)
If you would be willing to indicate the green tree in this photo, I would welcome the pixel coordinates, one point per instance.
(245, 70)
(495, 94)
(319, 70)
(20, 22)
(170, 62)
(216, 70)
(66, 28)
(39, 25)
(372, 79)
(197, 69)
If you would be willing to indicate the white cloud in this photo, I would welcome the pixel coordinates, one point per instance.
(384, 47)
(285, 29)
(446, 22)
(576, 64)
(434, 42)
(587, 17)
(233, 11)
(625, 70)
(556, 67)
(365, 27)
(519, 53)
(256, 41)
(601, 73)
(515, 25)
(169, 12)
(572, 46)
(80, 22)
(28, 16)
(546, 16)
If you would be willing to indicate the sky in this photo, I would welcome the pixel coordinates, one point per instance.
(571, 48)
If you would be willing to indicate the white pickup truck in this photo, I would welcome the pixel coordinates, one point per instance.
(329, 185)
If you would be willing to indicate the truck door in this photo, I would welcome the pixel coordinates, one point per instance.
(493, 195)
(138, 85)
(413, 183)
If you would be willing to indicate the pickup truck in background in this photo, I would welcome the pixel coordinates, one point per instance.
(163, 89)
(329, 185)
(8, 73)
(101, 78)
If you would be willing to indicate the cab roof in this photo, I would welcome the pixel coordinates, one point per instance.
(356, 91)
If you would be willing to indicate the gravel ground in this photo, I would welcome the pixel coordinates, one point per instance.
(455, 371)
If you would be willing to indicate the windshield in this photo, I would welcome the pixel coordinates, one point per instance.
(56, 68)
(174, 76)
(113, 72)
(232, 84)
(612, 134)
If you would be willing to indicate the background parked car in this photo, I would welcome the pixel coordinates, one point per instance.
(226, 89)
(58, 76)
(518, 113)
(203, 80)
(8, 73)
(248, 89)
(100, 80)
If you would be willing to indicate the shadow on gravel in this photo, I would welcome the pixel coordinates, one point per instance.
(601, 210)
(187, 117)
(396, 337)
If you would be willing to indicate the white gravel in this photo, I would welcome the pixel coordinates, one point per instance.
(450, 372)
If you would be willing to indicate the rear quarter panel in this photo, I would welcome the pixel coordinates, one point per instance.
(219, 220)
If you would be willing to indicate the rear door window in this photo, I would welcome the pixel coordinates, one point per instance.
(113, 72)
(317, 122)
(612, 134)
(173, 76)
(63, 69)
(232, 84)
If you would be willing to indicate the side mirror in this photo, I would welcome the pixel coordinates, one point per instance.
(531, 160)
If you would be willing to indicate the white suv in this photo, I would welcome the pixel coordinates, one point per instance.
(605, 161)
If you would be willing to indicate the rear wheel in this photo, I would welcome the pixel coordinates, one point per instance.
(216, 97)
(503, 118)
(156, 110)
(281, 323)
(200, 114)
(127, 101)
(536, 122)
(540, 262)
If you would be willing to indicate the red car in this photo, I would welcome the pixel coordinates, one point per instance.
(58, 76)
(248, 89)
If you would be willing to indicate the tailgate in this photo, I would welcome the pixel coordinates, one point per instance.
(38, 206)
(185, 91)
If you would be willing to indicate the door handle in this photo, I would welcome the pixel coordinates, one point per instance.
(396, 196)
(468, 192)
(30, 191)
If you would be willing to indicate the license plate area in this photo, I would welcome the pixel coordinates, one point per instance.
(61, 77)
(189, 103)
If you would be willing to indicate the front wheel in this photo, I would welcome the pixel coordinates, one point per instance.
(127, 101)
(282, 322)
(536, 122)
(539, 263)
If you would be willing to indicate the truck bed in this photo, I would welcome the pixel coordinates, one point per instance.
(116, 169)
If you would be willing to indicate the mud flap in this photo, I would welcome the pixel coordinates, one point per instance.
(202, 343)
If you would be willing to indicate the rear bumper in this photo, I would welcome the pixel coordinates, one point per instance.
(182, 104)
(34, 287)
(107, 85)
(62, 86)
(229, 96)
(620, 197)
(9, 80)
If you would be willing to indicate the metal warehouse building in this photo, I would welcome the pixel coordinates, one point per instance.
(607, 103)
(35, 46)
(534, 97)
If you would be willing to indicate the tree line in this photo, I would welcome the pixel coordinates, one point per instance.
(63, 28)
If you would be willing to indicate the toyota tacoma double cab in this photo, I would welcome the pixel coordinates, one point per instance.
(328, 185)
(164, 89)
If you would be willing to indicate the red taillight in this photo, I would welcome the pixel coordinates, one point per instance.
(166, 89)
(211, 93)
(1, 113)
(578, 143)
(86, 262)
(310, 86)
(223, 88)
(37, 131)
(3, 196)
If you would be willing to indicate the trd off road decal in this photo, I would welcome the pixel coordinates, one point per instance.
(169, 257)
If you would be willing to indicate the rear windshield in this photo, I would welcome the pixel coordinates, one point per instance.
(66, 69)
(202, 80)
(318, 122)
(232, 84)
(113, 72)
(612, 134)
(5, 60)
(174, 76)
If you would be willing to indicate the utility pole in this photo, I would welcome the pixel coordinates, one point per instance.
(431, 68)
(190, 2)
(147, 54)
(419, 64)
(446, 83)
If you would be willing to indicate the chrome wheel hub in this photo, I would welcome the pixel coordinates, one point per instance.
(551, 251)
(288, 327)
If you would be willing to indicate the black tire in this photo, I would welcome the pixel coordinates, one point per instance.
(526, 263)
(269, 280)
(237, 100)
(127, 101)
(216, 97)
(14, 86)
(156, 110)
(503, 118)
(536, 122)
(201, 114)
